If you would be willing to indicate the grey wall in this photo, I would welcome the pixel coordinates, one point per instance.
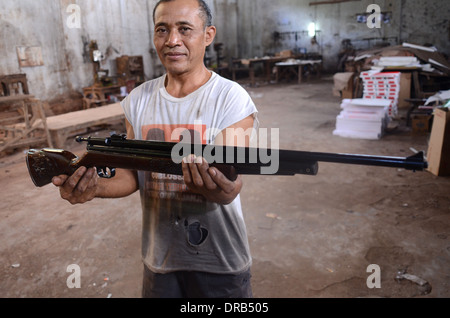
(246, 27)
(120, 27)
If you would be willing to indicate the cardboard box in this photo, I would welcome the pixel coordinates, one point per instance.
(382, 85)
(420, 124)
(347, 92)
(405, 90)
(343, 85)
(438, 155)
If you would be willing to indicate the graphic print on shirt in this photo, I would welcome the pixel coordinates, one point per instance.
(166, 186)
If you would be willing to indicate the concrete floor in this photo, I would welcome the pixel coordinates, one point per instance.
(310, 236)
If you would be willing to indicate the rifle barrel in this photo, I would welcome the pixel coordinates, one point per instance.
(241, 156)
(414, 162)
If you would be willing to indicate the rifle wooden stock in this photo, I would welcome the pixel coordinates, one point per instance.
(106, 154)
(44, 164)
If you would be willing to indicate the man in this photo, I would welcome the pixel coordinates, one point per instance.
(194, 241)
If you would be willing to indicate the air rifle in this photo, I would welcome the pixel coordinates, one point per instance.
(107, 154)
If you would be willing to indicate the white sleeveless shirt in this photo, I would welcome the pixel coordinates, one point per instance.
(181, 230)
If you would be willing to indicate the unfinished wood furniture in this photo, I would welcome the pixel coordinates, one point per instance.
(22, 122)
(63, 126)
(98, 95)
(14, 84)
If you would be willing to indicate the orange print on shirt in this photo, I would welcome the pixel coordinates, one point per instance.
(166, 186)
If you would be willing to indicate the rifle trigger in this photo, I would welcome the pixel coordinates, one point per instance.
(106, 173)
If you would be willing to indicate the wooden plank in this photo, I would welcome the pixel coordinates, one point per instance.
(86, 118)
(15, 98)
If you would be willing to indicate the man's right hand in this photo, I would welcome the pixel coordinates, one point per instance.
(79, 188)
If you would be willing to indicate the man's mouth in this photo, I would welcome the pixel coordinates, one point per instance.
(174, 55)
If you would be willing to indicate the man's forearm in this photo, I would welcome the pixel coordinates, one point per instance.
(123, 184)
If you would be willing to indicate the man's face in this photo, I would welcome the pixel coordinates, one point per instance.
(180, 36)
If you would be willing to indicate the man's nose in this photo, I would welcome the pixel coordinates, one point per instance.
(173, 39)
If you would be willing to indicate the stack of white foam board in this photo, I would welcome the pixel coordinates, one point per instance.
(400, 61)
(362, 118)
(384, 85)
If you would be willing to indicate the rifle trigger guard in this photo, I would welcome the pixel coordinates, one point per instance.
(107, 173)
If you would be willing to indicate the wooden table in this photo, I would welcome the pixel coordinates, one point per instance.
(297, 67)
(63, 126)
(268, 63)
(22, 116)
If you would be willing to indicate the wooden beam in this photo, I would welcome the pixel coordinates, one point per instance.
(329, 2)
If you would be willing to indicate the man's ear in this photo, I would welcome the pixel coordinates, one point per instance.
(210, 34)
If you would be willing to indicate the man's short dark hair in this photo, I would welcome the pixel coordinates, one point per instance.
(205, 11)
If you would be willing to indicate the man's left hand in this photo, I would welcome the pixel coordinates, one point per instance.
(208, 181)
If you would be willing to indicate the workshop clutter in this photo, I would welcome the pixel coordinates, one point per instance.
(362, 118)
(113, 89)
(424, 70)
(385, 85)
(406, 57)
(395, 79)
(22, 116)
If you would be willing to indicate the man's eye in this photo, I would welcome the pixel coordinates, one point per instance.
(185, 29)
(161, 30)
